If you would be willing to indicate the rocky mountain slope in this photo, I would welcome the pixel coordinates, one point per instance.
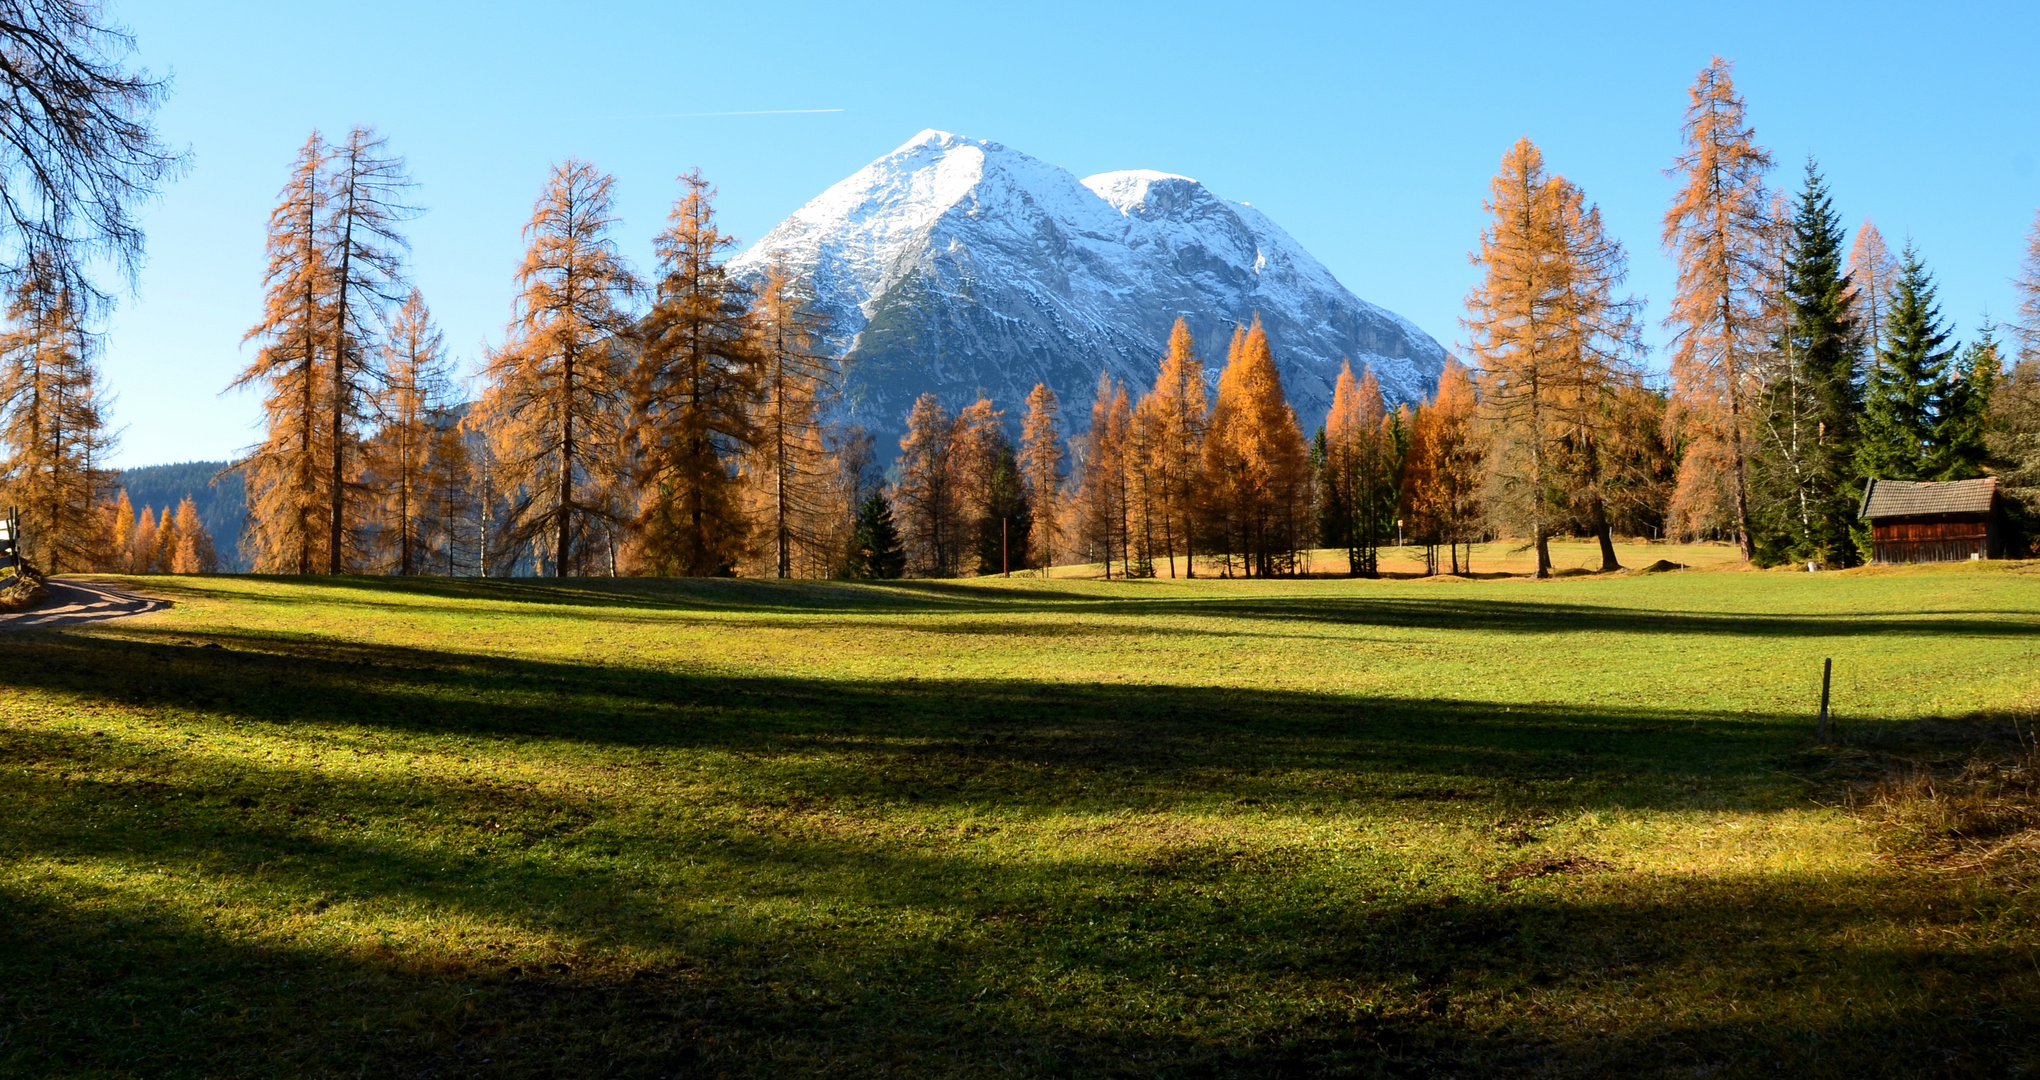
(965, 267)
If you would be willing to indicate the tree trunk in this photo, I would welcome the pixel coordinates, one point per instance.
(1605, 533)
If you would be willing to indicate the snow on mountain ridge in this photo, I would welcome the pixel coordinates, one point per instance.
(965, 267)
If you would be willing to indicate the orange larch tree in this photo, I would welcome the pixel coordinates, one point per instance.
(1171, 419)
(364, 250)
(1600, 359)
(1354, 463)
(195, 553)
(117, 556)
(793, 473)
(926, 498)
(142, 556)
(1517, 331)
(691, 395)
(1714, 230)
(1040, 461)
(1442, 482)
(1871, 272)
(1101, 492)
(1254, 471)
(53, 428)
(411, 407)
(286, 477)
(554, 403)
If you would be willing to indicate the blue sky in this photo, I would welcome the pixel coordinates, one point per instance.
(1369, 132)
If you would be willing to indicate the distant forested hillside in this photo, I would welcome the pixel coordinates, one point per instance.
(222, 503)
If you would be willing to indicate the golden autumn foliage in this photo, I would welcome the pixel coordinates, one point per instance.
(364, 253)
(794, 479)
(1517, 337)
(194, 552)
(1360, 470)
(554, 405)
(1714, 231)
(691, 389)
(1254, 471)
(1169, 424)
(1101, 499)
(946, 467)
(1554, 344)
(407, 454)
(287, 485)
(334, 263)
(1442, 470)
(174, 542)
(53, 428)
(1040, 462)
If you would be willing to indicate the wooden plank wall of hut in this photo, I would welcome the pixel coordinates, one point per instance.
(1947, 539)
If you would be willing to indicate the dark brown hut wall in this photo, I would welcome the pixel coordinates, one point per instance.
(1944, 538)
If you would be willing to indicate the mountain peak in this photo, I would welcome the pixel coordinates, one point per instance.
(934, 139)
(967, 268)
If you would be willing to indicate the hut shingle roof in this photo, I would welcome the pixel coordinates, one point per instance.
(1907, 498)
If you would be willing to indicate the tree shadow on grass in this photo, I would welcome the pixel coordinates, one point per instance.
(1015, 742)
(607, 598)
(877, 961)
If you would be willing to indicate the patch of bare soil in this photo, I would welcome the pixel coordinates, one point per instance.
(1547, 866)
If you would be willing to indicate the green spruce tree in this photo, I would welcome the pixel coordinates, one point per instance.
(1900, 411)
(1823, 345)
(1962, 410)
(875, 544)
(1003, 529)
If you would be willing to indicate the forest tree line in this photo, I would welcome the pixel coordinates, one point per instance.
(680, 423)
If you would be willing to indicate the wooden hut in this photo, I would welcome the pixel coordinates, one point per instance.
(1926, 521)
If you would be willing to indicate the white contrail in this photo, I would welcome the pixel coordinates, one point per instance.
(746, 112)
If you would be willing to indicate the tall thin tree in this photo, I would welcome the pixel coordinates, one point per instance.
(2027, 285)
(691, 394)
(284, 470)
(1040, 462)
(1519, 334)
(364, 204)
(1714, 231)
(1871, 273)
(1811, 426)
(1600, 354)
(791, 462)
(554, 402)
(414, 397)
(1173, 416)
(53, 424)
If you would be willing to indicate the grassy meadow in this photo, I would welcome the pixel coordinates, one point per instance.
(1025, 827)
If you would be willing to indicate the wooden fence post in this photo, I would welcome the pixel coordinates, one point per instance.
(1827, 671)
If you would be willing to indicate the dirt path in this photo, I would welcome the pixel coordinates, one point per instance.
(75, 603)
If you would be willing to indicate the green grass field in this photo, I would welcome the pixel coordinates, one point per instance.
(364, 827)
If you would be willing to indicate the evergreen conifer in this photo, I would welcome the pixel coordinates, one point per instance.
(1962, 410)
(1003, 530)
(1823, 345)
(875, 546)
(1899, 406)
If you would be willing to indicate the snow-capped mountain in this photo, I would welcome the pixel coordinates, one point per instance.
(964, 267)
